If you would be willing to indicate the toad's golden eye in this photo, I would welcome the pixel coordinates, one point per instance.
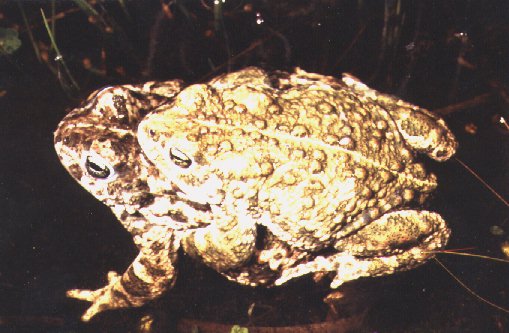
(179, 158)
(97, 168)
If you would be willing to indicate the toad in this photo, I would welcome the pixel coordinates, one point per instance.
(263, 176)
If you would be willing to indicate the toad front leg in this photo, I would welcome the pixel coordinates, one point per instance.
(227, 243)
(151, 273)
(397, 241)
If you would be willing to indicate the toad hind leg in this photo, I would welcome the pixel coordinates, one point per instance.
(151, 273)
(421, 129)
(397, 241)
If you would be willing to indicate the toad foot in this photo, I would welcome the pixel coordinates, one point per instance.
(109, 297)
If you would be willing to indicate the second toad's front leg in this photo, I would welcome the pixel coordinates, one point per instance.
(151, 273)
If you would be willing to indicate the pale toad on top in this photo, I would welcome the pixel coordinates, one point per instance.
(262, 176)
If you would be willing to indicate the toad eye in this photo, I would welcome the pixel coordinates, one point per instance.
(179, 158)
(97, 167)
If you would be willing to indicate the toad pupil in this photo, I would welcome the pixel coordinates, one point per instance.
(96, 170)
(179, 158)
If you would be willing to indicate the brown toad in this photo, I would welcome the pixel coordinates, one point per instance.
(263, 176)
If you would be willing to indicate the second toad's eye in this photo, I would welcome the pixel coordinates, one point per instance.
(97, 168)
(179, 158)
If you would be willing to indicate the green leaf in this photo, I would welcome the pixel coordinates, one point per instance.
(239, 329)
(9, 41)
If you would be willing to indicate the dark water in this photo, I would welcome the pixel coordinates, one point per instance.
(55, 236)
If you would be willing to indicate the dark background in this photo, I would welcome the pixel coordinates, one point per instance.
(54, 236)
